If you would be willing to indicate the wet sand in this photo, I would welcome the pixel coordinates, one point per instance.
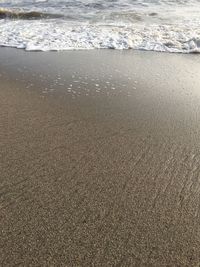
(106, 173)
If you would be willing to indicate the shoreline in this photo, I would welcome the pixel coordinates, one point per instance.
(99, 158)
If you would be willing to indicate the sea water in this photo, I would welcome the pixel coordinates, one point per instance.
(158, 25)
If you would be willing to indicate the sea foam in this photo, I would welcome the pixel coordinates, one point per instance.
(47, 35)
(157, 25)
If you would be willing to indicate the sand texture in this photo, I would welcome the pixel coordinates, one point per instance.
(99, 159)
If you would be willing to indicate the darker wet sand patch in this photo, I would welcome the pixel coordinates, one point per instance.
(103, 177)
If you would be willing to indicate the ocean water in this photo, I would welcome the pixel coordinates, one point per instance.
(158, 25)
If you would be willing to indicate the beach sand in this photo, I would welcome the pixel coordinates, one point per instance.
(99, 158)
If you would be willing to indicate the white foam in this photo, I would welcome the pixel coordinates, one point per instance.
(158, 25)
(46, 36)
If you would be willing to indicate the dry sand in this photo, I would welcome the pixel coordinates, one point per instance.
(106, 173)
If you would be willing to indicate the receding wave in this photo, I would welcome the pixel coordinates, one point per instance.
(30, 15)
(46, 35)
(158, 25)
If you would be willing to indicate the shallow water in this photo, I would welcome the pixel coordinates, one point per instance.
(159, 25)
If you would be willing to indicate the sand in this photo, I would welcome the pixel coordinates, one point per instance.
(99, 159)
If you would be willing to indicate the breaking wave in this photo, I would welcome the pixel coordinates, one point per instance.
(30, 15)
(157, 25)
